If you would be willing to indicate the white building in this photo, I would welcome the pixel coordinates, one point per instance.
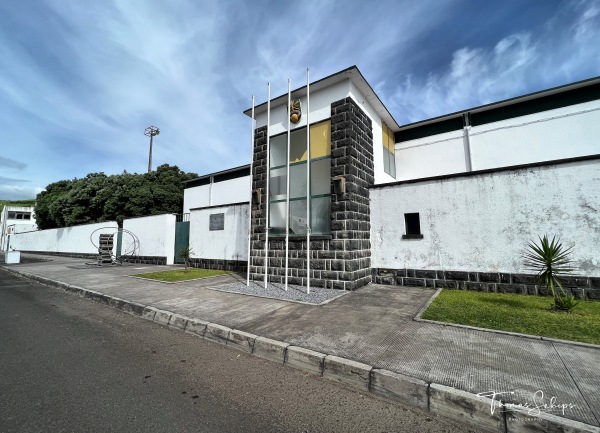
(15, 219)
(446, 202)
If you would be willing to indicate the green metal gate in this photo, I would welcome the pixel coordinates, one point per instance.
(182, 238)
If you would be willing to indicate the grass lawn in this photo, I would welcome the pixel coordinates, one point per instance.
(181, 275)
(517, 313)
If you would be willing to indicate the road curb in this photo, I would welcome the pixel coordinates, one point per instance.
(436, 398)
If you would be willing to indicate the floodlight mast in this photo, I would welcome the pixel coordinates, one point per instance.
(151, 131)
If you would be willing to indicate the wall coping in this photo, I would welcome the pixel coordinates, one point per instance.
(490, 171)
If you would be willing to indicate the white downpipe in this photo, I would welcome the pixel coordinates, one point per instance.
(267, 188)
(287, 187)
(250, 202)
(307, 182)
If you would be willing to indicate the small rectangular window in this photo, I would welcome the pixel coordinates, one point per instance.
(412, 226)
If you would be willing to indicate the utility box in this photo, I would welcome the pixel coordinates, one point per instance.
(12, 257)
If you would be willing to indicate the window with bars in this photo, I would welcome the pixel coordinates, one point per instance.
(320, 182)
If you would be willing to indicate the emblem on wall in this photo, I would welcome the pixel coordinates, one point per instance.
(295, 110)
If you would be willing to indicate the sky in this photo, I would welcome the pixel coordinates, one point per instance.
(80, 81)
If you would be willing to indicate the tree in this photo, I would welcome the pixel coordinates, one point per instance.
(98, 197)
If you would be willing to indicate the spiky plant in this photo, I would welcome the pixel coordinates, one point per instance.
(551, 260)
(186, 255)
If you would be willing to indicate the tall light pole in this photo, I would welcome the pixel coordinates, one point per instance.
(151, 131)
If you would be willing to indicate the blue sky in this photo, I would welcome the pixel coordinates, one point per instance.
(80, 81)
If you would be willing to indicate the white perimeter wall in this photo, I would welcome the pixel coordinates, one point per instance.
(156, 234)
(228, 244)
(74, 239)
(565, 132)
(483, 222)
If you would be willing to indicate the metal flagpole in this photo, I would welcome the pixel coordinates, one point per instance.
(250, 202)
(287, 196)
(307, 183)
(267, 188)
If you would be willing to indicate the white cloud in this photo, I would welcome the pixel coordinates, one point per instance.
(519, 63)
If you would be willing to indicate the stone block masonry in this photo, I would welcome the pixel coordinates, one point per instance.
(580, 286)
(341, 260)
(221, 265)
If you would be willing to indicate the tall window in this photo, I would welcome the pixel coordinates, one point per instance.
(389, 159)
(320, 182)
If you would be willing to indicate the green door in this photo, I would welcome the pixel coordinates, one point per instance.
(182, 238)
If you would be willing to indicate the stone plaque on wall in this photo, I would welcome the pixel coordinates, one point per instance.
(217, 221)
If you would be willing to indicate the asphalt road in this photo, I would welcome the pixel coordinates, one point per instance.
(70, 365)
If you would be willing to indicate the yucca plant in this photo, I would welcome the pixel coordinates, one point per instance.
(186, 255)
(551, 260)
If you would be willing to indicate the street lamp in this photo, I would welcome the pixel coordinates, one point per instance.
(151, 131)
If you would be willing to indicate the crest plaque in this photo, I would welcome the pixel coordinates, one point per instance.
(295, 110)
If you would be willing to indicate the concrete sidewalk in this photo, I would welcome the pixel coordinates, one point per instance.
(375, 326)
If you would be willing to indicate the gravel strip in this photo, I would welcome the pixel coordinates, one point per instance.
(317, 296)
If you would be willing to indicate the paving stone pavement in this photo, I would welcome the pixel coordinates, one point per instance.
(375, 326)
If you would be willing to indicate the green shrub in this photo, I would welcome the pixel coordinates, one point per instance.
(551, 260)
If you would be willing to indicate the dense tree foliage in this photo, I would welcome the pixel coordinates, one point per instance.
(98, 197)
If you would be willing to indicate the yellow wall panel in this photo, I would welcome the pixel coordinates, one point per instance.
(320, 140)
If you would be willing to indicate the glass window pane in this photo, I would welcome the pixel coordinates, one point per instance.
(320, 139)
(298, 180)
(320, 175)
(321, 215)
(298, 146)
(393, 166)
(386, 160)
(385, 136)
(278, 148)
(277, 218)
(298, 217)
(277, 183)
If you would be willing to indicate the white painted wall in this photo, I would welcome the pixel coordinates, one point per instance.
(231, 191)
(197, 196)
(565, 132)
(431, 156)
(225, 192)
(156, 234)
(228, 244)
(483, 222)
(74, 239)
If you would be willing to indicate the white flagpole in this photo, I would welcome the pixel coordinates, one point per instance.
(287, 199)
(250, 202)
(307, 182)
(267, 188)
